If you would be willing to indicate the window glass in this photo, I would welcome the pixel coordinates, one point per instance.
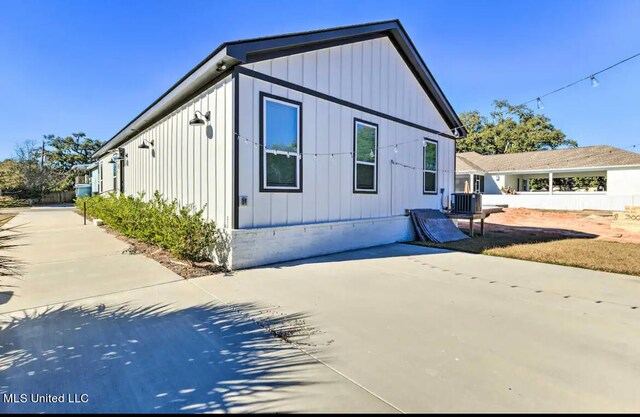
(366, 143)
(281, 170)
(365, 177)
(430, 182)
(430, 170)
(365, 161)
(281, 136)
(282, 126)
(430, 156)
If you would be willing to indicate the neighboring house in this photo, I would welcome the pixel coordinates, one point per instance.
(84, 179)
(296, 145)
(610, 178)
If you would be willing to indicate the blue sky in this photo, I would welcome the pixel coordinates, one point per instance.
(91, 66)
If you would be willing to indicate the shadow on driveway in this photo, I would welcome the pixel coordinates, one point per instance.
(151, 359)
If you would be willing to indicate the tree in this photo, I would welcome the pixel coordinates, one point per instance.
(37, 178)
(11, 178)
(510, 129)
(63, 153)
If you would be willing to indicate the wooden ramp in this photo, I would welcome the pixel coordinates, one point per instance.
(433, 225)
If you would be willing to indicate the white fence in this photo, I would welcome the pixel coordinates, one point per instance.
(563, 201)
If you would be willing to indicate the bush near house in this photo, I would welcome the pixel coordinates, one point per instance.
(182, 230)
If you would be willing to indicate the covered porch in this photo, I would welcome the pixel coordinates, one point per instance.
(554, 190)
(561, 181)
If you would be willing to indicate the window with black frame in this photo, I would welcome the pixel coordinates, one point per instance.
(365, 161)
(281, 163)
(430, 167)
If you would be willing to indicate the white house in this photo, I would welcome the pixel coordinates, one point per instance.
(298, 145)
(522, 179)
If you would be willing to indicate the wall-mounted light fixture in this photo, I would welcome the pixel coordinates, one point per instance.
(221, 66)
(145, 144)
(196, 121)
(118, 155)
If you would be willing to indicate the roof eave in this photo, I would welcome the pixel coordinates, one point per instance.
(232, 53)
(251, 50)
(202, 74)
(551, 170)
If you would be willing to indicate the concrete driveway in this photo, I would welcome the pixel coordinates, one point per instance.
(428, 330)
(127, 335)
(394, 328)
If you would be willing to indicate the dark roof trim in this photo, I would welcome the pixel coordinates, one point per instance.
(259, 49)
(250, 50)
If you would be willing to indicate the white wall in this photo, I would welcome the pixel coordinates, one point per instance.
(623, 181)
(493, 183)
(253, 247)
(564, 201)
(371, 74)
(94, 181)
(106, 170)
(189, 163)
(623, 189)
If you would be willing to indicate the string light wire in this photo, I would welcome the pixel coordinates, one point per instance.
(591, 78)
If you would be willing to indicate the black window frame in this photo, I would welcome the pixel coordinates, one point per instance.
(424, 167)
(263, 96)
(357, 190)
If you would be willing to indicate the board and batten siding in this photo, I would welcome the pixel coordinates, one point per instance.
(369, 73)
(192, 164)
(105, 171)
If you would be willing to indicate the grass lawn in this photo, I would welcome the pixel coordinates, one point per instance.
(601, 255)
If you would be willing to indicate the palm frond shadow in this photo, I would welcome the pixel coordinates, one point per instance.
(150, 359)
(9, 265)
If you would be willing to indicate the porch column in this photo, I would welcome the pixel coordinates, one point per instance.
(551, 183)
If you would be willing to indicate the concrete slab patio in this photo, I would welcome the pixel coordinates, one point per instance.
(397, 328)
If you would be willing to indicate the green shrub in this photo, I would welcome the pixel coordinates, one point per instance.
(6, 201)
(182, 230)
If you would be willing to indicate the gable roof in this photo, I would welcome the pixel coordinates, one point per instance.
(600, 156)
(257, 49)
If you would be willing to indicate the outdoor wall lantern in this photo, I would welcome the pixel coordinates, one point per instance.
(118, 155)
(145, 144)
(197, 121)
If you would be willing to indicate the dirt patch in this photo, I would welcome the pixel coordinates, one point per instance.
(184, 268)
(561, 224)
